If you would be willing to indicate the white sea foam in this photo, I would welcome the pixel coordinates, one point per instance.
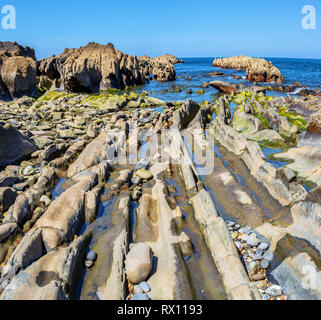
(296, 91)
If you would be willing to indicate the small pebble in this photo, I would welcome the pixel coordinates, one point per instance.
(89, 263)
(263, 246)
(253, 241)
(91, 256)
(268, 255)
(145, 286)
(245, 229)
(27, 171)
(258, 277)
(46, 200)
(230, 224)
(244, 237)
(257, 257)
(265, 264)
(253, 268)
(274, 291)
(138, 289)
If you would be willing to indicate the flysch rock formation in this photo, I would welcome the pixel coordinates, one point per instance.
(91, 68)
(97, 67)
(257, 69)
(77, 221)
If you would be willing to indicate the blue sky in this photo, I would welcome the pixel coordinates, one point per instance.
(186, 28)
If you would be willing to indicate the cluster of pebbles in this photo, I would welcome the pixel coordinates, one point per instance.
(257, 257)
(139, 291)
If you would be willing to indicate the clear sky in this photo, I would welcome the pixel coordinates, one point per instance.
(186, 28)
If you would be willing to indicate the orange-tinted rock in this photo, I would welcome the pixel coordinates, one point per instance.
(314, 125)
(223, 87)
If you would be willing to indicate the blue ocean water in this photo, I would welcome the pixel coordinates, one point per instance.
(194, 71)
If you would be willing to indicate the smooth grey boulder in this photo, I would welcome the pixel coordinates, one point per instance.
(6, 230)
(7, 197)
(13, 145)
(139, 263)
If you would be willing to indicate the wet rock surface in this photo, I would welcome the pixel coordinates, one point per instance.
(77, 224)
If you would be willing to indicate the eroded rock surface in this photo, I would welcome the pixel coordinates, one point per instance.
(18, 71)
(72, 206)
(257, 69)
(92, 68)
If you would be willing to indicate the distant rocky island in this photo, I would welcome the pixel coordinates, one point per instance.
(257, 69)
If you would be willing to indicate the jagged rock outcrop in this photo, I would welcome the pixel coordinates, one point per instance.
(96, 67)
(91, 68)
(17, 70)
(13, 49)
(47, 74)
(19, 76)
(257, 69)
(314, 125)
(162, 67)
(171, 59)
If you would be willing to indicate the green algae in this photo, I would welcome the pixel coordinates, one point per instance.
(54, 95)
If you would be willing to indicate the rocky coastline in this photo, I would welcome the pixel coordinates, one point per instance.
(78, 222)
(91, 68)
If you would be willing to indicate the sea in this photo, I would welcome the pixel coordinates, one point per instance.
(195, 71)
